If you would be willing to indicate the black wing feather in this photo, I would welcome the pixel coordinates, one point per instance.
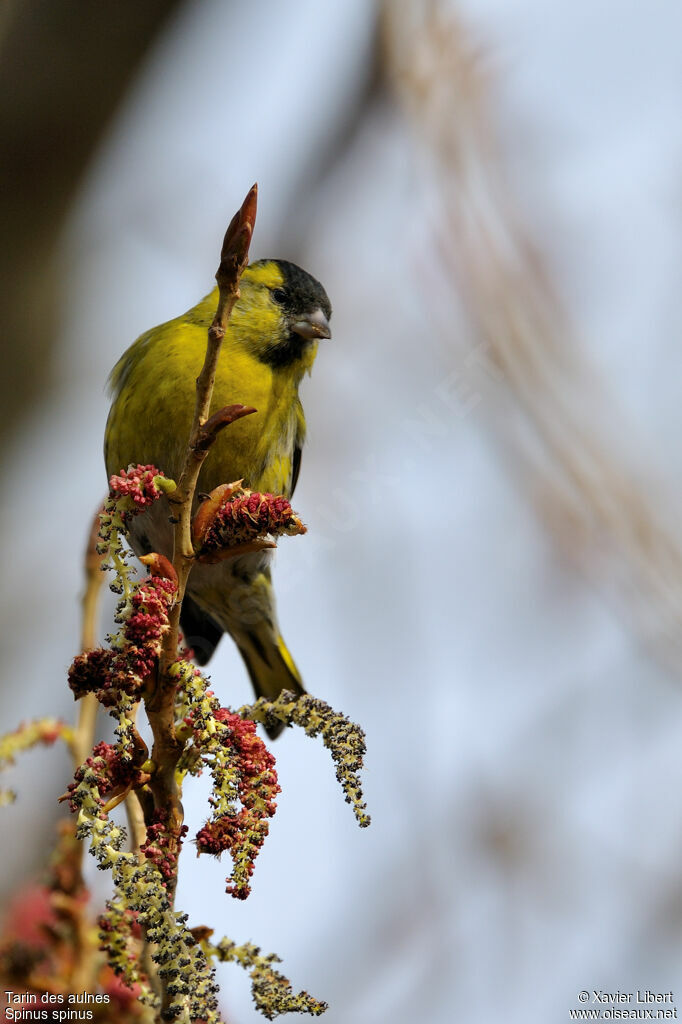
(295, 468)
(201, 632)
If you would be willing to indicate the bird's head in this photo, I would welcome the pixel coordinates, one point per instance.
(281, 314)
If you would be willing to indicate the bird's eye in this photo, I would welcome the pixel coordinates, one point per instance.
(279, 295)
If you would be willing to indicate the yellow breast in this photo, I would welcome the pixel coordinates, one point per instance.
(151, 416)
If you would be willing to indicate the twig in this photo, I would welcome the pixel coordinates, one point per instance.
(80, 745)
(233, 260)
(84, 734)
(212, 427)
(160, 704)
(136, 822)
(247, 548)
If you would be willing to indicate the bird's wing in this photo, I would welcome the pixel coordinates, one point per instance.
(299, 439)
(200, 630)
(295, 468)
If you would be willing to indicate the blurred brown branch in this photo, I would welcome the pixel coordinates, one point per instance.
(64, 68)
(562, 425)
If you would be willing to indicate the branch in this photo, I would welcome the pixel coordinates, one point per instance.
(233, 260)
(160, 704)
(210, 430)
(84, 734)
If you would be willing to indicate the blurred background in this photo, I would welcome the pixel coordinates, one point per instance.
(492, 579)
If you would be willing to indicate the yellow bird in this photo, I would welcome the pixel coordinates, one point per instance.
(271, 341)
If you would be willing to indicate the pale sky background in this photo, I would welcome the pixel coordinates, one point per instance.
(524, 756)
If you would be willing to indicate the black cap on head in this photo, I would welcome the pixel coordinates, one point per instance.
(301, 292)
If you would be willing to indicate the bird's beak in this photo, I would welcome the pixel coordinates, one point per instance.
(313, 325)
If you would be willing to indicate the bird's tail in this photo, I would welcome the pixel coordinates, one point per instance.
(244, 605)
(269, 663)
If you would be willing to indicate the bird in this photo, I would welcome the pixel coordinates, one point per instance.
(270, 343)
